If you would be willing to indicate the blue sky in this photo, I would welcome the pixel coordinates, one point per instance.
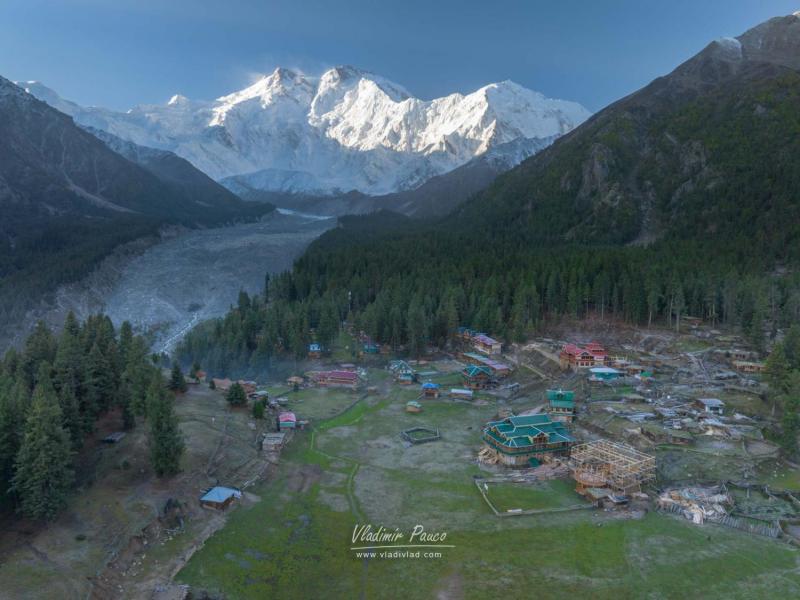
(117, 53)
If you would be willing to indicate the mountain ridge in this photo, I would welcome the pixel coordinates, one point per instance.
(346, 130)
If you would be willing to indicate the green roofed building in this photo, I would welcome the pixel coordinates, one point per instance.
(561, 405)
(516, 440)
(476, 378)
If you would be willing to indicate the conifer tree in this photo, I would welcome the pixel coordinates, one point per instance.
(13, 400)
(43, 474)
(165, 440)
(177, 383)
(236, 395)
(136, 378)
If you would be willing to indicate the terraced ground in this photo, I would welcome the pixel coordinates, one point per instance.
(354, 468)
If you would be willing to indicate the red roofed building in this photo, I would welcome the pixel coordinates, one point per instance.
(287, 420)
(575, 357)
(336, 378)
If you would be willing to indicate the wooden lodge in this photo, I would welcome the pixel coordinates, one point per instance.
(461, 394)
(287, 420)
(338, 378)
(430, 390)
(403, 373)
(561, 405)
(480, 341)
(314, 350)
(219, 497)
(522, 441)
(497, 368)
(475, 377)
(747, 366)
(573, 356)
(712, 406)
(487, 345)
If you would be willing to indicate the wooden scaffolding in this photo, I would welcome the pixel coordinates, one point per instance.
(614, 465)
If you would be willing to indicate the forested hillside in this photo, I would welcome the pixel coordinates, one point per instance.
(67, 199)
(679, 199)
(54, 390)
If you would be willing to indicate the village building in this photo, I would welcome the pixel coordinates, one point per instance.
(314, 350)
(497, 368)
(487, 345)
(746, 366)
(287, 420)
(475, 377)
(219, 497)
(738, 354)
(461, 393)
(413, 407)
(604, 374)
(295, 381)
(338, 378)
(713, 406)
(273, 441)
(370, 348)
(573, 356)
(223, 385)
(403, 373)
(561, 405)
(525, 440)
(617, 467)
(430, 390)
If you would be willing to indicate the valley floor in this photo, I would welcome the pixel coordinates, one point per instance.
(355, 469)
(291, 535)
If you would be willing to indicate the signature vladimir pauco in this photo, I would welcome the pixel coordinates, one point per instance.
(382, 542)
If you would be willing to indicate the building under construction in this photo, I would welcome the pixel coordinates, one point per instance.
(604, 468)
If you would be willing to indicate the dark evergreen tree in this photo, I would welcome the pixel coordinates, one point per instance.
(177, 382)
(165, 440)
(236, 395)
(43, 475)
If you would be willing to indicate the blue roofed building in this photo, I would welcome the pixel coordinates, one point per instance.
(219, 497)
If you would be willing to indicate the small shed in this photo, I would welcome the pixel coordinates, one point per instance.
(413, 407)
(295, 380)
(113, 438)
(430, 389)
(219, 497)
(314, 350)
(713, 406)
(461, 393)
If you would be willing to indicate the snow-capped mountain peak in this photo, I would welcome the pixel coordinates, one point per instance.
(346, 129)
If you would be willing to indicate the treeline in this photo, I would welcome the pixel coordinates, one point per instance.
(783, 376)
(52, 393)
(413, 290)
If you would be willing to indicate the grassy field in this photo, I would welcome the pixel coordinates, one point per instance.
(355, 469)
(122, 496)
(541, 495)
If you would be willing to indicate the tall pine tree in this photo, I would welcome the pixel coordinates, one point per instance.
(166, 441)
(43, 475)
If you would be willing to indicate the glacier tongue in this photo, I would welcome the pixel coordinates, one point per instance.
(344, 130)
